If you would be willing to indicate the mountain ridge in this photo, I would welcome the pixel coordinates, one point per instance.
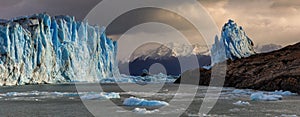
(234, 42)
(277, 70)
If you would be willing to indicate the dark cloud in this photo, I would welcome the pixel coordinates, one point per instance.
(265, 21)
(77, 8)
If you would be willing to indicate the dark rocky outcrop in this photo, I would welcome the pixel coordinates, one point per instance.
(278, 70)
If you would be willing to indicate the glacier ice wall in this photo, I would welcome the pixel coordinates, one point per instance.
(44, 49)
(235, 43)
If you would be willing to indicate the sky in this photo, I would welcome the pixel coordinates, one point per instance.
(264, 21)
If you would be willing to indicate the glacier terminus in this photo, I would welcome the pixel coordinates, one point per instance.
(43, 49)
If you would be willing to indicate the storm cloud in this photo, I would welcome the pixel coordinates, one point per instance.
(265, 21)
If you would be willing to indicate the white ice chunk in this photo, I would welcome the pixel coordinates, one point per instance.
(102, 95)
(241, 103)
(207, 67)
(144, 111)
(285, 115)
(133, 101)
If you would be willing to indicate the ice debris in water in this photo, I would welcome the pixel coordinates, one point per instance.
(285, 115)
(133, 101)
(102, 95)
(282, 93)
(241, 103)
(263, 96)
(83, 95)
(37, 93)
(260, 96)
(156, 78)
(144, 111)
(239, 91)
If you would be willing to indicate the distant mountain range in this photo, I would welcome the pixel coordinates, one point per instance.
(170, 63)
(234, 41)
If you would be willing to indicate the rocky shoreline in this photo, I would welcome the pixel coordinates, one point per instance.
(278, 70)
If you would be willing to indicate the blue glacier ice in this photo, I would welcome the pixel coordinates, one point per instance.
(133, 101)
(235, 43)
(43, 49)
(260, 96)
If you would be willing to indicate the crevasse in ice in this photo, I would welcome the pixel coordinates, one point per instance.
(44, 49)
(234, 42)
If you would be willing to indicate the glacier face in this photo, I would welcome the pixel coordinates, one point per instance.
(44, 49)
(235, 43)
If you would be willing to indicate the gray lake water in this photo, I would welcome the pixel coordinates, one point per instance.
(64, 100)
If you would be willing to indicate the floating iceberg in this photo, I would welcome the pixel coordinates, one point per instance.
(207, 67)
(241, 103)
(282, 93)
(234, 42)
(144, 111)
(102, 95)
(285, 115)
(157, 78)
(43, 49)
(133, 101)
(243, 92)
(260, 96)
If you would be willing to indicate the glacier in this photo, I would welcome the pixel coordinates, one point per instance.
(44, 49)
(235, 43)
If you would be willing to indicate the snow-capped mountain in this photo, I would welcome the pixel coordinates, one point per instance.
(157, 51)
(235, 43)
(44, 49)
(169, 55)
